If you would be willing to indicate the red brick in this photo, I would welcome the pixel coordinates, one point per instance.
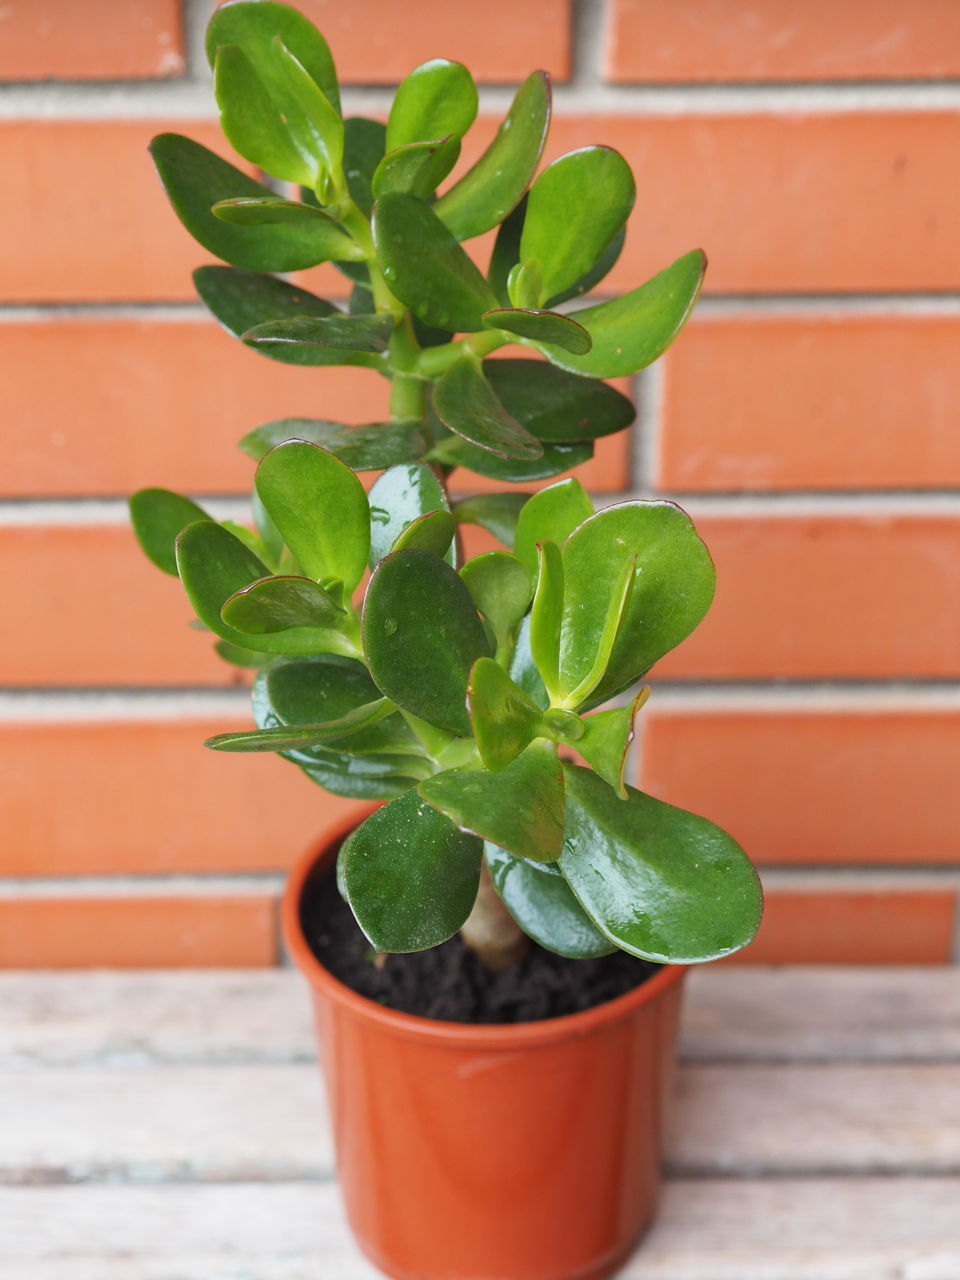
(822, 402)
(90, 40)
(168, 932)
(814, 787)
(90, 798)
(824, 596)
(716, 40)
(853, 926)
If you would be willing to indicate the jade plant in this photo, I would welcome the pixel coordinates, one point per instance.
(489, 703)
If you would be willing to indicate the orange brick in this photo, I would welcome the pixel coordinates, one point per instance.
(824, 402)
(717, 40)
(95, 40)
(90, 798)
(499, 41)
(828, 596)
(814, 787)
(853, 926)
(169, 932)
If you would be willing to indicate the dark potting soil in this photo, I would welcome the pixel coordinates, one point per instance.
(448, 982)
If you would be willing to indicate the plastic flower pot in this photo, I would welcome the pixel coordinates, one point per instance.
(505, 1152)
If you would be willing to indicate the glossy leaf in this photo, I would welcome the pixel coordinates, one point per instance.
(607, 739)
(523, 669)
(270, 536)
(557, 406)
(237, 657)
(506, 252)
(350, 334)
(600, 269)
(364, 143)
(320, 508)
(409, 875)
(581, 670)
(498, 513)
(548, 327)
(286, 738)
(426, 268)
(466, 403)
(501, 589)
(436, 99)
(370, 447)
(505, 720)
(157, 516)
(432, 532)
(673, 585)
(249, 537)
(525, 285)
(264, 212)
(661, 883)
(544, 907)
(574, 209)
(275, 604)
(630, 332)
(520, 809)
(556, 458)
(253, 27)
(253, 122)
(552, 513)
(546, 615)
(401, 495)
(495, 184)
(421, 636)
(417, 168)
(195, 178)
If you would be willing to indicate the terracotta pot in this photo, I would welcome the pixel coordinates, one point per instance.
(520, 1152)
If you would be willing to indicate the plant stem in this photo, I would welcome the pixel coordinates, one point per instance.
(490, 931)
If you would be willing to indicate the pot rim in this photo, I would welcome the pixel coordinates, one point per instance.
(414, 1027)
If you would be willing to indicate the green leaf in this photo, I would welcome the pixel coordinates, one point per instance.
(630, 332)
(238, 657)
(195, 178)
(409, 875)
(673, 585)
(264, 212)
(364, 142)
(275, 604)
(601, 268)
(213, 565)
(546, 615)
(320, 508)
(254, 124)
(607, 738)
(370, 447)
(498, 513)
(581, 670)
(523, 669)
(544, 907)
(274, 545)
(431, 532)
(661, 883)
(505, 720)
(421, 636)
(253, 26)
(157, 516)
(506, 252)
(285, 738)
(548, 327)
(557, 406)
(401, 495)
(426, 268)
(248, 537)
(466, 403)
(520, 809)
(501, 589)
(495, 184)
(417, 168)
(242, 299)
(552, 513)
(574, 209)
(353, 335)
(525, 285)
(437, 99)
(457, 452)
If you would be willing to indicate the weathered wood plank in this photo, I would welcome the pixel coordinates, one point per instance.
(732, 1014)
(264, 1122)
(850, 1229)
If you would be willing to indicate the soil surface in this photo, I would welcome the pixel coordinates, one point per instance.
(449, 983)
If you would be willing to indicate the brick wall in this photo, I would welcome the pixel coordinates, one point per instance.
(809, 418)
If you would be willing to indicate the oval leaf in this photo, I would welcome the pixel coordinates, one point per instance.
(432, 532)
(275, 604)
(544, 907)
(242, 299)
(308, 735)
(370, 447)
(552, 513)
(557, 406)
(409, 875)
(353, 334)
(556, 458)
(600, 269)
(501, 590)
(546, 616)
(661, 883)
(548, 327)
(498, 513)
(157, 516)
(437, 99)
(268, 213)
(418, 168)
(401, 495)
(505, 720)
(421, 636)
(466, 403)
(364, 142)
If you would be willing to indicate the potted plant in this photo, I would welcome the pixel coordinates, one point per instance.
(496, 950)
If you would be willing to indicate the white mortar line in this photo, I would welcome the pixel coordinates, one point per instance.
(82, 512)
(100, 706)
(820, 876)
(195, 15)
(810, 698)
(587, 34)
(648, 428)
(242, 885)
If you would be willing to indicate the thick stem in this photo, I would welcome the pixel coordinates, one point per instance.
(490, 931)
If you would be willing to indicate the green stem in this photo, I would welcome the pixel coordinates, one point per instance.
(436, 360)
(358, 226)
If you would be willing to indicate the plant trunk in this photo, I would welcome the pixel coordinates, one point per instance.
(490, 931)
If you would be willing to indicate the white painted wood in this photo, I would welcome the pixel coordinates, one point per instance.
(784, 1229)
(732, 1013)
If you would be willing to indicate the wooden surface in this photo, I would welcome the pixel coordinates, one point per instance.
(171, 1127)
